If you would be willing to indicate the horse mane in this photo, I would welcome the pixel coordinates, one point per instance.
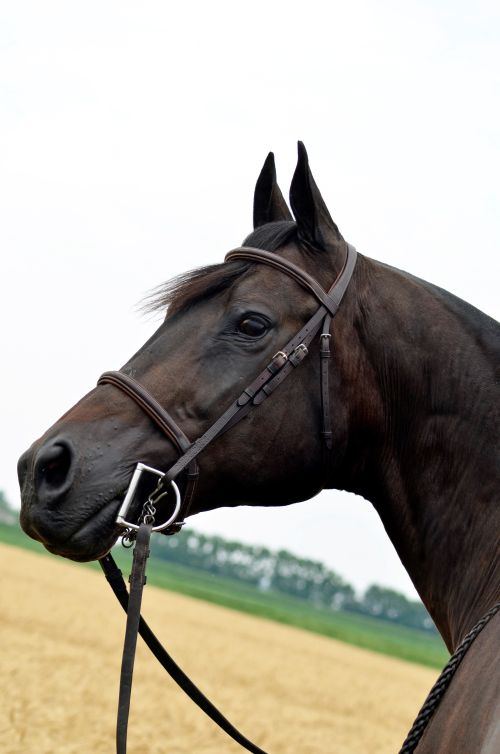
(202, 283)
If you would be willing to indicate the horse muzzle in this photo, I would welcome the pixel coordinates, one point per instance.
(70, 515)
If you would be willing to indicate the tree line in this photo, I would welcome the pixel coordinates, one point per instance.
(281, 571)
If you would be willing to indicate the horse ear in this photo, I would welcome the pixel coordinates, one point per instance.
(268, 203)
(315, 225)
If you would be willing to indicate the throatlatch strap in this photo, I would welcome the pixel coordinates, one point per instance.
(325, 355)
(115, 579)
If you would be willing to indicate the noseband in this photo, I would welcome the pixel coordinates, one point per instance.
(281, 365)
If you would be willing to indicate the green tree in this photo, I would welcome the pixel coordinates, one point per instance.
(391, 605)
(284, 572)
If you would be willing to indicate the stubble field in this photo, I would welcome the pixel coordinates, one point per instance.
(290, 690)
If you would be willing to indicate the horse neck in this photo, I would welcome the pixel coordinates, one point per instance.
(424, 437)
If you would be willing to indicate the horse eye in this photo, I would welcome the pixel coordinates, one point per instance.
(253, 326)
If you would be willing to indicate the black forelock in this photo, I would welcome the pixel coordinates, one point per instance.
(200, 284)
(272, 236)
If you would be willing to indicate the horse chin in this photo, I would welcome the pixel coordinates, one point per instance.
(93, 540)
(80, 551)
(89, 540)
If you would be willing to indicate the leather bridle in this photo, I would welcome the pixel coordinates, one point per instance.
(283, 363)
(277, 370)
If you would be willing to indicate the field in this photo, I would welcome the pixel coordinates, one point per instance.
(289, 689)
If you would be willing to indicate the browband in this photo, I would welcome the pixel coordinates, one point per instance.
(330, 300)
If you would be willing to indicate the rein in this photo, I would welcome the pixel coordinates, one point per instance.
(281, 365)
(131, 604)
(445, 678)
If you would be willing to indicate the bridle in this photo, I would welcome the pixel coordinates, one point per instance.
(277, 370)
(283, 363)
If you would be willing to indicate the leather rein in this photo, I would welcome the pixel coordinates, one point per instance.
(283, 363)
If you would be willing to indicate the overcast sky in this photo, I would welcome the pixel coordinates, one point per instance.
(131, 136)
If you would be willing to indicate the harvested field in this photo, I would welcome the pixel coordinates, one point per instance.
(291, 691)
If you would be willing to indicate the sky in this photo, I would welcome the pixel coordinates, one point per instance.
(131, 137)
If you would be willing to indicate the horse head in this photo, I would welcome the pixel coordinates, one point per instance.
(223, 324)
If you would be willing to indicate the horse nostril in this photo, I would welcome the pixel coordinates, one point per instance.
(52, 469)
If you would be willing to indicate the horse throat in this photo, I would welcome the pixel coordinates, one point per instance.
(424, 440)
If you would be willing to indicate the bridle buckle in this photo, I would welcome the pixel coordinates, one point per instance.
(298, 354)
(281, 354)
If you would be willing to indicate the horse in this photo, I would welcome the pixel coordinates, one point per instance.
(408, 416)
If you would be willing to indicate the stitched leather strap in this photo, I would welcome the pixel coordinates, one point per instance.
(115, 579)
(149, 405)
(331, 300)
(325, 355)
